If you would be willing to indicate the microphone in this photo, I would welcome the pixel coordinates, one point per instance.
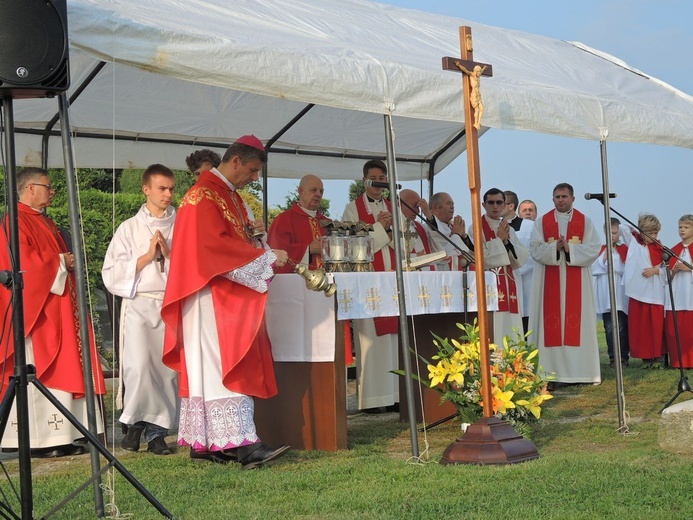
(598, 196)
(379, 184)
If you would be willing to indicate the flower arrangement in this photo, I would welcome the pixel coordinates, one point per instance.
(519, 386)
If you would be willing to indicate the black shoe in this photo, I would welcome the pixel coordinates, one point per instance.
(262, 455)
(75, 449)
(47, 453)
(159, 447)
(211, 456)
(131, 441)
(231, 454)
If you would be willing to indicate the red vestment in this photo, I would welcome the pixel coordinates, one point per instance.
(210, 240)
(556, 333)
(50, 320)
(293, 231)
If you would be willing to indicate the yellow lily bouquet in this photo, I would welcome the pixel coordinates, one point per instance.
(518, 384)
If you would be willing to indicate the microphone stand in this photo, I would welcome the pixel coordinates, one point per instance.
(683, 385)
(667, 254)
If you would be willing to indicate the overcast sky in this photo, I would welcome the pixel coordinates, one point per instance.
(653, 36)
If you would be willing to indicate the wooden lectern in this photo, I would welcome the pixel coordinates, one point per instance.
(309, 411)
(420, 328)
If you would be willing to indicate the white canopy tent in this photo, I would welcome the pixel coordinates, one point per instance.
(153, 80)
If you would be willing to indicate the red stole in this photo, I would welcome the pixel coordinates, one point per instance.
(210, 240)
(505, 280)
(554, 333)
(621, 249)
(366, 216)
(390, 324)
(293, 231)
(424, 239)
(51, 320)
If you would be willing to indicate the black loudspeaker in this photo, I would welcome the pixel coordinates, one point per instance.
(34, 50)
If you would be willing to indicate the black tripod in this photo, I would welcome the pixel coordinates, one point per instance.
(26, 374)
(667, 254)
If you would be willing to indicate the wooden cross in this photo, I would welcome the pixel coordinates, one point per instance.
(471, 83)
(162, 261)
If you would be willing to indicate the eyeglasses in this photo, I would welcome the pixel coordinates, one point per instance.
(47, 186)
(496, 202)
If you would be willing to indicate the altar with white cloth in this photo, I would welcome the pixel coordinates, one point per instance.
(370, 295)
(306, 329)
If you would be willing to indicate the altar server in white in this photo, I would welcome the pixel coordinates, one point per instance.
(136, 268)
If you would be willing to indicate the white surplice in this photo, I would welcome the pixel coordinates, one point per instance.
(571, 364)
(526, 271)
(148, 389)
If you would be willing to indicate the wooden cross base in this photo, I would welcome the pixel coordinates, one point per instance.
(490, 441)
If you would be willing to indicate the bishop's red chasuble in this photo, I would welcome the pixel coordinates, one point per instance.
(210, 240)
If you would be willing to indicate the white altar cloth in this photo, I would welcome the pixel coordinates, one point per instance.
(301, 323)
(368, 295)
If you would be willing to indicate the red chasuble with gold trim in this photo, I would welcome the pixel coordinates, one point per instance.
(210, 240)
(293, 231)
(51, 320)
(557, 333)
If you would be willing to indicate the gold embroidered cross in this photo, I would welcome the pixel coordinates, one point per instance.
(446, 296)
(373, 299)
(424, 296)
(345, 300)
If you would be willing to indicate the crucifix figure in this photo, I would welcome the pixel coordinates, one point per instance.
(473, 72)
(475, 94)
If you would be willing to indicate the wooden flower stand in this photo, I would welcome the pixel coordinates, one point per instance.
(490, 441)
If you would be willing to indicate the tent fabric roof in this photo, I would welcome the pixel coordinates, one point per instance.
(201, 73)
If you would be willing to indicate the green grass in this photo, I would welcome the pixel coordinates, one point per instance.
(587, 470)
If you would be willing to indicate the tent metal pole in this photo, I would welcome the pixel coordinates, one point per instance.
(76, 231)
(622, 427)
(403, 325)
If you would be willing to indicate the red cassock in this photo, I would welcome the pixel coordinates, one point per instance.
(293, 231)
(51, 320)
(210, 240)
